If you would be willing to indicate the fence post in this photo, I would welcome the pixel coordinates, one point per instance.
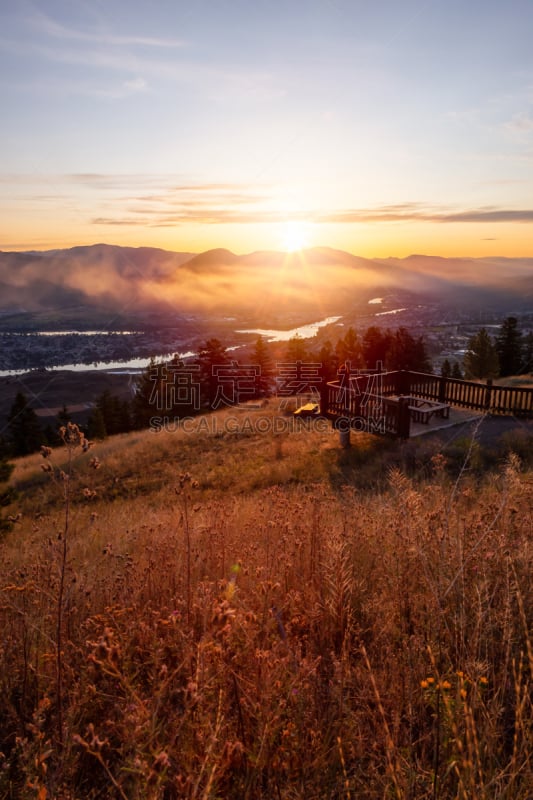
(403, 384)
(488, 394)
(344, 438)
(442, 389)
(324, 395)
(404, 418)
(343, 426)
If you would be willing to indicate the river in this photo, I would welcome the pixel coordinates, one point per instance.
(133, 365)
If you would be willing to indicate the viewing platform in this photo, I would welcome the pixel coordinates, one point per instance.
(404, 404)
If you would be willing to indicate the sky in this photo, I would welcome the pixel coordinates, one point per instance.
(380, 127)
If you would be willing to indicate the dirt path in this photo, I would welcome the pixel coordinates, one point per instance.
(487, 429)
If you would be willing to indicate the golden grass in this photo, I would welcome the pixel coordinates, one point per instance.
(270, 633)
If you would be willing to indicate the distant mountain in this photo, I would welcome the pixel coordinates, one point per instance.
(212, 259)
(491, 271)
(261, 285)
(97, 276)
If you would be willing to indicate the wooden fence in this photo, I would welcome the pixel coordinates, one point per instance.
(376, 402)
(509, 400)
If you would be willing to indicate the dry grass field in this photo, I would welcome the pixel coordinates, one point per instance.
(240, 613)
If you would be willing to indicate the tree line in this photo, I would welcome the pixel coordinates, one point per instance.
(216, 378)
(510, 352)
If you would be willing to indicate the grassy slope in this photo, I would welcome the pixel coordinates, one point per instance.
(280, 630)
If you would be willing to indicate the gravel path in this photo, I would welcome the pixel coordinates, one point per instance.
(486, 429)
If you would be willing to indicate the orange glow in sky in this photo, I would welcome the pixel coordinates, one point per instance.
(381, 129)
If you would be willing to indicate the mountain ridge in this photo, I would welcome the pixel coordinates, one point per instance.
(313, 280)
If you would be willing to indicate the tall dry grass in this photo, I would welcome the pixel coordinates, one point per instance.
(299, 640)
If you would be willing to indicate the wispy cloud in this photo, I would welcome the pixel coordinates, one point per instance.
(481, 215)
(156, 200)
(51, 27)
(409, 213)
(136, 85)
(223, 210)
(145, 61)
(110, 221)
(520, 123)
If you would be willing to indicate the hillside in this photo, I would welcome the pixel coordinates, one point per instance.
(125, 283)
(243, 610)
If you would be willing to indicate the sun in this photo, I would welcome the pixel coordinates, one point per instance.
(295, 235)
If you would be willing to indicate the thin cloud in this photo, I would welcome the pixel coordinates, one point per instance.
(200, 216)
(161, 188)
(110, 221)
(136, 85)
(210, 187)
(408, 213)
(206, 213)
(157, 58)
(55, 29)
(498, 215)
(156, 200)
(520, 123)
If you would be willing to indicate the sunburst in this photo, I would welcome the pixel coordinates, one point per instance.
(295, 235)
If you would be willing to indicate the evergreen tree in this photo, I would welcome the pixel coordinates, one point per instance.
(376, 345)
(63, 418)
(23, 429)
(456, 371)
(115, 413)
(297, 350)
(446, 369)
(147, 401)
(51, 433)
(329, 362)
(349, 349)
(481, 358)
(509, 347)
(6, 495)
(124, 416)
(4, 447)
(406, 352)
(527, 354)
(211, 357)
(261, 359)
(96, 428)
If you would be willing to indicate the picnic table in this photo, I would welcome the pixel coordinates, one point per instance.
(422, 410)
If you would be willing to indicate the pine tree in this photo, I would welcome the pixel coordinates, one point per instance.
(146, 402)
(527, 354)
(481, 358)
(406, 352)
(376, 345)
(115, 413)
(509, 347)
(261, 359)
(211, 357)
(51, 433)
(63, 417)
(456, 371)
(349, 349)
(297, 350)
(96, 428)
(446, 369)
(329, 363)
(23, 429)
(6, 495)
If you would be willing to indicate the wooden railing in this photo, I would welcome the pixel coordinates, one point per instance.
(375, 402)
(365, 403)
(509, 400)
